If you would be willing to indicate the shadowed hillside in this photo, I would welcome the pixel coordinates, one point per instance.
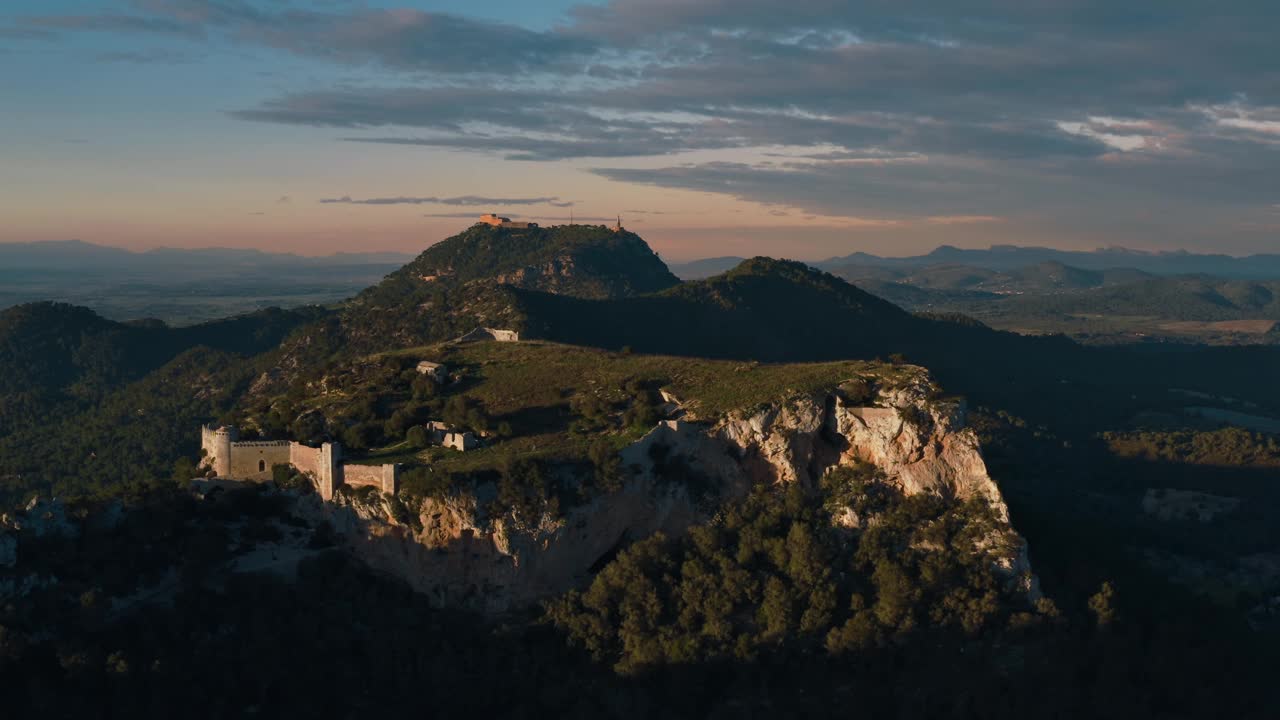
(56, 358)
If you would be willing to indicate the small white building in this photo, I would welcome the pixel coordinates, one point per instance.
(462, 441)
(436, 430)
(484, 334)
(433, 370)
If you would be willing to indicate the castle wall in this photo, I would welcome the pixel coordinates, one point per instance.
(384, 477)
(305, 460)
(322, 464)
(254, 460)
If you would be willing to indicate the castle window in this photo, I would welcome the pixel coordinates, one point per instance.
(262, 466)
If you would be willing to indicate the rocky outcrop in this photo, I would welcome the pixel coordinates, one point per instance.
(919, 442)
(40, 518)
(674, 477)
(461, 557)
(551, 276)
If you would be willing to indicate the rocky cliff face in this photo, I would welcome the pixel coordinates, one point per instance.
(553, 276)
(919, 442)
(460, 556)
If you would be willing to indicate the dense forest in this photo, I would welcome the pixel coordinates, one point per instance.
(832, 621)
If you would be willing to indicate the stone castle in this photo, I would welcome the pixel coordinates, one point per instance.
(229, 457)
(497, 220)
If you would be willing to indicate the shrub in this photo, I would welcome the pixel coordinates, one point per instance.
(418, 437)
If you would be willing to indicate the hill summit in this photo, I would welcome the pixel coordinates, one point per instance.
(470, 280)
(580, 260)
(763, 309)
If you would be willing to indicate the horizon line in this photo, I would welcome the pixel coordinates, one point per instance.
(410, 253)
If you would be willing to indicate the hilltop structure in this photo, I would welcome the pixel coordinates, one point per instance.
(435, 371)
(495, 220)
(482, 334)
(226, 456)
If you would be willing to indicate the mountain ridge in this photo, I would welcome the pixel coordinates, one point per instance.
(1009, 257)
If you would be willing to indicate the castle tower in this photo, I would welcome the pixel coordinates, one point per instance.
(329, 471)
(217, 448)
(390, 479)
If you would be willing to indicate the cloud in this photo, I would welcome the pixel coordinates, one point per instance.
(962, 219)
(469, 215)
(401, 39)
(992, 79)
(148, 57)
(1176, 197)
(26, 33)
(465, 200)
(114, 22)
(1146, 116)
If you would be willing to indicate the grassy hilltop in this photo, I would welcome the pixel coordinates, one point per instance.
(536, 400)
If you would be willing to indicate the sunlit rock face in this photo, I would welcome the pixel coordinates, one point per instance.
(460, 555)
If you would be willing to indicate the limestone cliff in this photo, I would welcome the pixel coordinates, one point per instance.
(674, 477)
(919, 442)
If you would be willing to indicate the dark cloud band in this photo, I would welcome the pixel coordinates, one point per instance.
(464, 200)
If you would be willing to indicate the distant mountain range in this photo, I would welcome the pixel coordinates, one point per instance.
(1012, 257)
(1049, 276)
(79, 255)
(181, 286)
(1115, 305)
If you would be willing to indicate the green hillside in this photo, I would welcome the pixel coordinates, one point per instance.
(534, 400)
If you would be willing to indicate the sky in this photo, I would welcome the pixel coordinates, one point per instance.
(796, 128)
